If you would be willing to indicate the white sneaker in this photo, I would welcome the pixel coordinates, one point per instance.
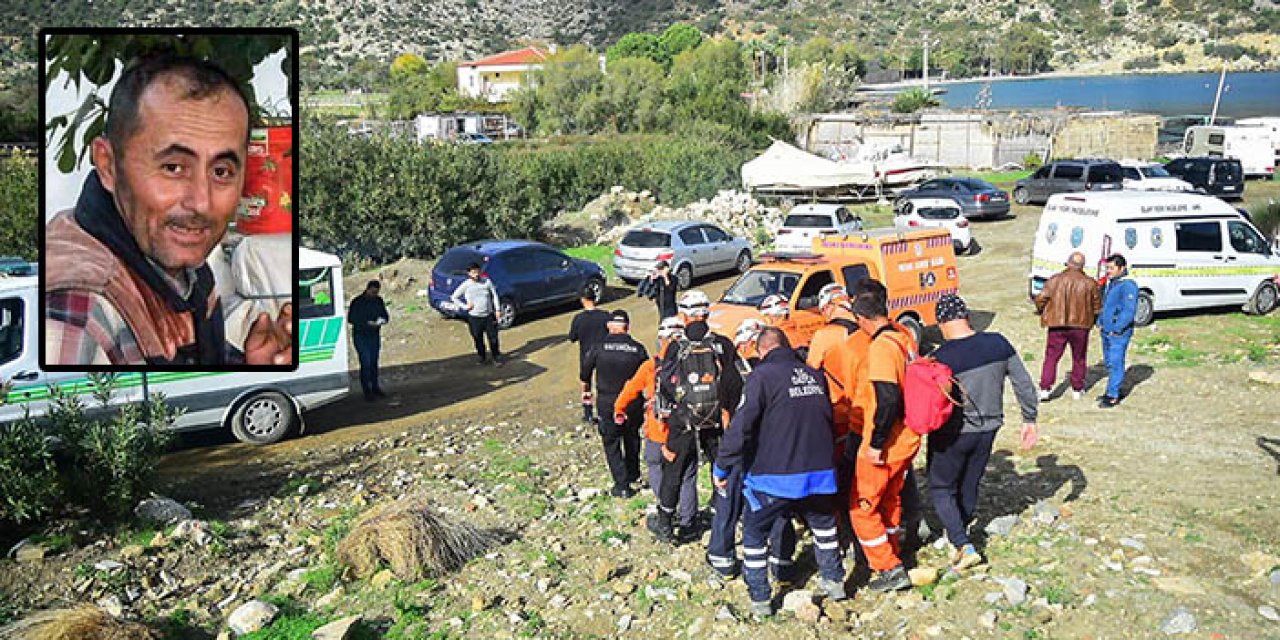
(1044, 395)
(1077, 395)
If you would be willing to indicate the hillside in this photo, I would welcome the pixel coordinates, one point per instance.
(1067, 34)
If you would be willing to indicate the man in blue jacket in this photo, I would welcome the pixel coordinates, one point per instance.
(1119, 305)
(781, 435)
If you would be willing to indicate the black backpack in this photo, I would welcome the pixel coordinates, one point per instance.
(697, 383)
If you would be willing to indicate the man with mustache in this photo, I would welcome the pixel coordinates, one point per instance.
(126, 280)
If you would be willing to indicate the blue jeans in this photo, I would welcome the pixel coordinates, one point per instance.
(1113, 352)
(722, 549)
(367, 348)
(817, 510)
(956, 464)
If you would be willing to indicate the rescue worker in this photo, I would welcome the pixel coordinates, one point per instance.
(834, 304)
(1119, 307)
(776, 310)
(588, 329)
(888, 447)
(613, 362)
(641, 386)
(959, 450)
(690, 430)
(722, 555)
(781, 438)
(827, 354)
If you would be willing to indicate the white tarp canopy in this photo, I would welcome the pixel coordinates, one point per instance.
(784, 167)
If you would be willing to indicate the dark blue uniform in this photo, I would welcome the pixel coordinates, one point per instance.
(368, 340)
(613, 361)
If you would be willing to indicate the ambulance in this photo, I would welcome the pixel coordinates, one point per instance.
(917, 267)
(1185, 250)
(258, 408)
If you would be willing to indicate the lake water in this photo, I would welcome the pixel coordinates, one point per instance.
(1247, 94)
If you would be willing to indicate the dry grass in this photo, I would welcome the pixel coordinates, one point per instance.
(82, 623)
(413, 541)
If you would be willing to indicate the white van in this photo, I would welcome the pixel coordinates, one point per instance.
(1253, 146)
(1185, 251)
(258, 408)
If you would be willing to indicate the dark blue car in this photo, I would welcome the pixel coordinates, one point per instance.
(528, 275)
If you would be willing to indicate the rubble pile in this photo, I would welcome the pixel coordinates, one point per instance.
(605, 219)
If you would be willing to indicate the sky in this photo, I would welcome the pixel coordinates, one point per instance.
(62, 190)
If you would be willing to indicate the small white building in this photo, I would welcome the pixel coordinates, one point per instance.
(494, 77)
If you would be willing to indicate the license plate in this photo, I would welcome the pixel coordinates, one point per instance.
(1228, 188)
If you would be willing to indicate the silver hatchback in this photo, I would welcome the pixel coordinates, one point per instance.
(691, 248)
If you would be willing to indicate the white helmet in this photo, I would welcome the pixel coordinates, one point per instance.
(672, 327)
(774, 305)
(747, 331)
(694, 303)
(833, 293)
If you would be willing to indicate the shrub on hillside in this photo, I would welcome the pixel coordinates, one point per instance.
(28, 479)
(1142, 62)
(385, 198)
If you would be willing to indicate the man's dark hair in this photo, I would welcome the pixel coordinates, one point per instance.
(870, 305)
(1118, 260)
(474, 266)
(373, 284)
(771, 337)
(870, 285)
(201, 79)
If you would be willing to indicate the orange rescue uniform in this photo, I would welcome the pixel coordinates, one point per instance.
(643, 384)
(876, 505)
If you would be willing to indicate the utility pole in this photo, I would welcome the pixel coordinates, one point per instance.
(1217, 97)
(925, 34)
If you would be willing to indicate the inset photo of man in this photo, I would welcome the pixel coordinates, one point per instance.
(167, 184)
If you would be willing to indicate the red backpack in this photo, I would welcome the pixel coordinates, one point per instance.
(926, 393)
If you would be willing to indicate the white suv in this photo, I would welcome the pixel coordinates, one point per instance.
(808, 221)
(1149, 176)
(936, 213)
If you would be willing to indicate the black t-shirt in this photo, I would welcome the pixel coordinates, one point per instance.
(588, 329)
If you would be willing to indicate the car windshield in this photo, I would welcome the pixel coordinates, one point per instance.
(755, 285)
(807, 221)
(1155, 171)
(456, 261)
(979, 185)
(938, 213)
(646, 239)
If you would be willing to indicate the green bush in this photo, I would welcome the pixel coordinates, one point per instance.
(104, 461)
(1268, 219)
(1174, 57)
(1142, 62)
(912, 100)
(384, 198)
(1032, 161)
(19, 205)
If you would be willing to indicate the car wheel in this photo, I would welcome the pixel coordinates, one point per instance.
(744, 262)
(1021, 196)
(594, 289)
(684, 276)
(264, 418)
(1264, 300)
(913, 326)
(957, 247)
(506, 313)
(1146, 311)
(974, 247)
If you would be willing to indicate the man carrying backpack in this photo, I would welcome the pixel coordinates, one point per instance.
(959, 450)
(781, 438)
(698, 386)
(613, 362)
(888, 447)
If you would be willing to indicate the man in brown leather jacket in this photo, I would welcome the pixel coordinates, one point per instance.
(1068, 306)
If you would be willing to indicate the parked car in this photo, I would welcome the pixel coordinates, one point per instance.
(1066, 176)
(977, 198)
(1149, 176)
(915, 214)
(473, 138)
(1222, 177)
(528, 275)
(808, 221)
(15, 266)
(691, 248)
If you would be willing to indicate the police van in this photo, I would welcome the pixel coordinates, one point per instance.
(258, 408)
(1185, 251)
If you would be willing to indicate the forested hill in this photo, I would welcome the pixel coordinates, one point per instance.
(970, 35)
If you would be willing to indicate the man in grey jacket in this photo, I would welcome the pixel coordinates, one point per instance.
(477, 295)
(958, 452)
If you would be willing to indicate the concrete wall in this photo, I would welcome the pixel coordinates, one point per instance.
(980, 140)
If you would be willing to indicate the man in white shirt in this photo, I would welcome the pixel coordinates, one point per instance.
(478, 296)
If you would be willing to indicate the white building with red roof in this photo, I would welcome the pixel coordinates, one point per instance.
(495, 77)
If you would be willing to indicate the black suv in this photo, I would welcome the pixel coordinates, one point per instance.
(1066, 176)
(1222, 177)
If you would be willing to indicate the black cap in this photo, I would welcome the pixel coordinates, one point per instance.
(620, 316)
